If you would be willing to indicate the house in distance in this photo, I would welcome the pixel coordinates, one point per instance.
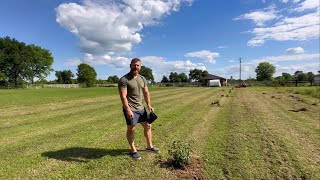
(213, 78)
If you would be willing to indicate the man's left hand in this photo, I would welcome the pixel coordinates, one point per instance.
(150, 109)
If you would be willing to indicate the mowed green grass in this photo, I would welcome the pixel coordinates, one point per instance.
(80, 133)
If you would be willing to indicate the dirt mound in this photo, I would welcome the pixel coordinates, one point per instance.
(191, 171)
(298, 110)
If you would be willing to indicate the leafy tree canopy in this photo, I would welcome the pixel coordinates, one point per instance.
(147, 73)
(112, 79)
(286, 76)
(265, 71)
(310, 76)
(196, 74)
(302, 77)
(165, 79)
(64, 77)
(183, 77)
(21, 62)
(174, 77)
(86, 74)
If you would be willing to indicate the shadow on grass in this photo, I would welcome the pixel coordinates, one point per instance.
(80, 154)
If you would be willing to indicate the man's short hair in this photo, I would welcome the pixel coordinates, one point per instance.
(135, 60)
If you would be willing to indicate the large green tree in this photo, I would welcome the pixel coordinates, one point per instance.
(197, 74)
(2, 76)
(204, 73)
(147, 73)
(183, 77)
(310, 77)
(302, 77)
(113, 79)
(64, 77)
(287, 76)
(265, 71)
(13, 64)
(20, 62)
(40, 61)
(174, 77)
(86, 74)
(3, 63)
(165, 79)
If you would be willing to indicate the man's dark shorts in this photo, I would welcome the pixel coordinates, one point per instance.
(138, 117)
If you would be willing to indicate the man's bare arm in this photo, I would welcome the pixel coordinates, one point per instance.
(124, 100)
(147, 98)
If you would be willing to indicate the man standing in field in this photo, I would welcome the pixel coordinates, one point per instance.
(131, 88)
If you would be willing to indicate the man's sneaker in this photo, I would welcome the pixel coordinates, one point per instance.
(135, 156)
(154, 150)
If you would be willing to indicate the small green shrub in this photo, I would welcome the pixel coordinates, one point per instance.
(181, 153)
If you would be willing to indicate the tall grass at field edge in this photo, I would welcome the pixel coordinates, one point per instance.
(309, 91)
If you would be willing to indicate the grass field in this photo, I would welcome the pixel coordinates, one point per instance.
(257, 133)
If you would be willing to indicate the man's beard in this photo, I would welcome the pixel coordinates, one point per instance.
(135, 71)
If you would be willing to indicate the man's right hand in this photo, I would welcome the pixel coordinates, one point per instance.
(129, 114)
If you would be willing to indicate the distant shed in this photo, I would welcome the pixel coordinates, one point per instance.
(223, 81)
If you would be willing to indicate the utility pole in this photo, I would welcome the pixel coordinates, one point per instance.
(240, 68)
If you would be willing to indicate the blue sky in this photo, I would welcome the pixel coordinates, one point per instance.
(169, 36)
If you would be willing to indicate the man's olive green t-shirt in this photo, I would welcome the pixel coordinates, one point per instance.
(134, 90)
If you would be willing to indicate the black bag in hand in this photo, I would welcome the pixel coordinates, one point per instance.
(151, 117)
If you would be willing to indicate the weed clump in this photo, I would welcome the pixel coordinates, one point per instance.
(216, 103)
(181, 153)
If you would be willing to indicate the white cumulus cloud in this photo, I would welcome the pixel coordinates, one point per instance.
(261, 16)
(296, 50)
(290, 26)
(163, 64)
(93, 60)
(308, 4)
(205, 55)
(295, 57)
(112, 26)
(162, 67)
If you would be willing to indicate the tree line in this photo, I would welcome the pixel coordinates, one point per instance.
(20, 63)
(194, 75)
(265, 72)
(87, 73)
